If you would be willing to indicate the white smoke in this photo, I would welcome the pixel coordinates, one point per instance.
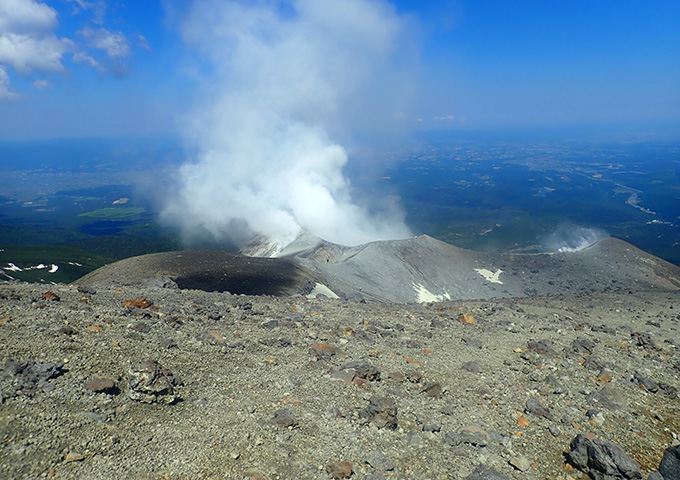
(284, 77)
(568, 237)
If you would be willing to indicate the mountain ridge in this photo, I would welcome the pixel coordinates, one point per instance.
(414, 270)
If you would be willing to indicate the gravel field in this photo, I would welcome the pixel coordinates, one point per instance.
(162, 383)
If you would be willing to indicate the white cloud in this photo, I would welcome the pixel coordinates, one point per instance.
(445, 118)
(143, 43)
(41, 84)
(82, 57)
(5, 94)
(27, 53)
(98, 9)
(27, 42)
(26, 16)
(115, 44)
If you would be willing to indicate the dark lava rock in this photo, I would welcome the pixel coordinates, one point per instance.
(608, 398)
(669, 468)
(583, 345)
(646, 383)
(645, 340)
(602, 460)
(534, 407)
(543, 347)
(382, 412)
(604, 329)
(29, 377)
(149, 382)
(379, 461)
(557, 387)
(472, 367)
(413, 376)
(363, 369)
(433, 390)
(284, 418)
(140, 327)
(484, 473)
(470, 434)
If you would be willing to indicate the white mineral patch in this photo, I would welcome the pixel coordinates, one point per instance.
(424, 295)
(12, 268)
(320, 289)
(490, 276)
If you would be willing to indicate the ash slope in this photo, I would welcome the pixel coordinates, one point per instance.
(424, 269)
(413, 270)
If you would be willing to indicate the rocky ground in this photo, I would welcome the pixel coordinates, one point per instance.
(174, 384)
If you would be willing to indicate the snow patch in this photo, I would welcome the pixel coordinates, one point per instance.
(320, 289)
(489, 276)
(424, 295)
(12, 268)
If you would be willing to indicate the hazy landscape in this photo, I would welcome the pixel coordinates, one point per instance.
(99, 200)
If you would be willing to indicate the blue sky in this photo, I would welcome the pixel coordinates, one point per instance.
(78, 68)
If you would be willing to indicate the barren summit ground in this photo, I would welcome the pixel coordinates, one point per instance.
(264, 387)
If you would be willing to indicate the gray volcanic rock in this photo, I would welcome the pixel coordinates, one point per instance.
(602, 460)
(670, 463)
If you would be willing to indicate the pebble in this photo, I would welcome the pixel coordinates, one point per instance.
(149, 382)
(283, 418)
(74, 457)
(536, 408)
(473, 367)
(382, 412)
(339, 469)
(520, 463)
(484, 473)
(379, 461)
(102, 384)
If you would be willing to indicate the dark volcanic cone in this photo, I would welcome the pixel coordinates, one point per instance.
(208, 270)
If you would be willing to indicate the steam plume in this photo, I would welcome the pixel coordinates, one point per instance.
(568, 237)
(285, 79)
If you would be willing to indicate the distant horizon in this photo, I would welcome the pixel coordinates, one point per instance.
(666, 130)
